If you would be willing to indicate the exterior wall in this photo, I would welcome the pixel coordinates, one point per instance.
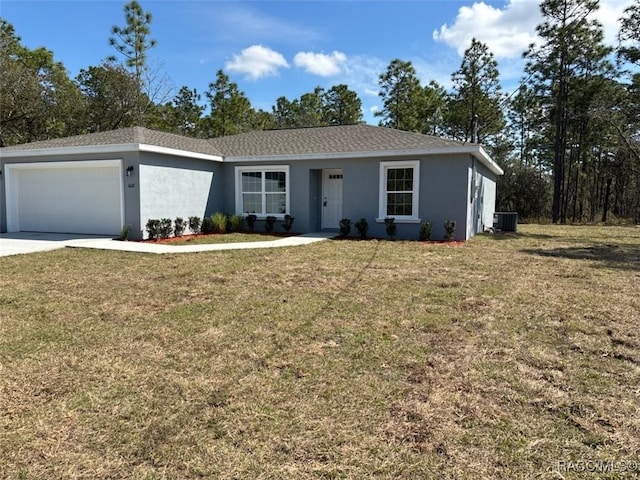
(127, 158)
(171, 187)
(482, 191)
(443, 192)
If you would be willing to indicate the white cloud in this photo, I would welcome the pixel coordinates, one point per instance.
(507, 32)
(510, 30)
(321, 63)
(256, 62)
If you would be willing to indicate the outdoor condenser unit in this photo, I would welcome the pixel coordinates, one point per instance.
(505, 221)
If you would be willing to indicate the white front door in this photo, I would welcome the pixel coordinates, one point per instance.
(331, 198)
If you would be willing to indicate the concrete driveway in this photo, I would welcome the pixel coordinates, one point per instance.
(31, 242)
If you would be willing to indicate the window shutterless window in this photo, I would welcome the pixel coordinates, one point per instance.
(399, 190)
(262, 191)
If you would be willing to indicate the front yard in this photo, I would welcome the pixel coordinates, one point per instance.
(514, 356)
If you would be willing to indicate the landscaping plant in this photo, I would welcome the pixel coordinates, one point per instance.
(287, 223)
(449, 230)
(391, 227)
(124, 232)
(251, 221)
(166, 227)
(236, 222)
(345, 227)
(425, 231)
(269, 222)
(207, 227)
(219, 222)
(179, 226)
(194, 225)
(362, 226)
(153, 228)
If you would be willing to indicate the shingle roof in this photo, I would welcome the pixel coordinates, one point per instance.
(319, 140)
(295, 141)
(124, 136)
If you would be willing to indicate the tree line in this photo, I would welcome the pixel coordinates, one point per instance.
(567, 138)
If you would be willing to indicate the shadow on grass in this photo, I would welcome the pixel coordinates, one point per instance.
(511, 235)
(626, 257)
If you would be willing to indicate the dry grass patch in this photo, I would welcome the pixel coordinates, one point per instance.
(375, 359)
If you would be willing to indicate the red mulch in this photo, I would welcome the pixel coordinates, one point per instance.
(212, 235)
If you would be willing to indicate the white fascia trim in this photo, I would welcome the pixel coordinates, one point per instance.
(119, 148)
(480, 154)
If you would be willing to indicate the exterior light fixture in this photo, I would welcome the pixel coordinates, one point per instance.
(129, 170)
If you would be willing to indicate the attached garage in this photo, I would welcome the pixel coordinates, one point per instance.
(65, 197)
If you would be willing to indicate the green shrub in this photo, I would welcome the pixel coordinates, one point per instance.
(270, 221)
(153, 228)
(219, 222)
(124, 232)
(362, 226)
(194, 225)
(179, 225)
(391, 227)
(166, 227)
(425, 231)
(345, 227)
(207, 227)
(449, 230)
(251, 221)
(236, 222)
(287, 223)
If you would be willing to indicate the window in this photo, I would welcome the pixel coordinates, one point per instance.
(399, 182)
(262, 191)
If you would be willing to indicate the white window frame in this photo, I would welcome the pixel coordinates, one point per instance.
(382, 204)
(262, 169)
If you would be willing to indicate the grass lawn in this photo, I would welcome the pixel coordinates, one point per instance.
(512, 356)
(234, 237)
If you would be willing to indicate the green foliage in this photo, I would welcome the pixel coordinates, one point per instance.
(399, 87)
(269, 223)
(153, 228)
(426, 228)
(345, 227)
(179, 226)
(166, 228)
(251, 221)
(449, 230)
(473, 112)
(111, 95)
(208, 226)
(362, 226)
(219, 222)
(287, 223)
(124, 232)
(231, 110)
(236, 222)
(390, 227)
(194, 224)
(132, 41)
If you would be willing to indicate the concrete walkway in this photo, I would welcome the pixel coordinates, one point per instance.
(21, 243)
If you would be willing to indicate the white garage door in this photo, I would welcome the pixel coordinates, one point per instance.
(66, 197)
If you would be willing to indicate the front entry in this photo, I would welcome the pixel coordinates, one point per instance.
(331, 198)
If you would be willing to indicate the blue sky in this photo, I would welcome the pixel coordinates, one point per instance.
(287, 48)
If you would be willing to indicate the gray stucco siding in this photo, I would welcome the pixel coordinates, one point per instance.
(171, 187)
(443, 192)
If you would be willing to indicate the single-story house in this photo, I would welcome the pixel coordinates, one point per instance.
(99, 182)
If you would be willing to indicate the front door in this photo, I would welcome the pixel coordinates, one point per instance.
(331, 198)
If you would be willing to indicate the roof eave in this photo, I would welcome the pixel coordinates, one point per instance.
(475, 150)
(115, 148)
